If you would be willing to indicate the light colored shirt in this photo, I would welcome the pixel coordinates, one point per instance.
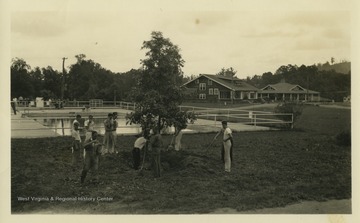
(140, 143)
(115, 125)
(227, 133)
(75, 133)
(89, 125)
(108, 123)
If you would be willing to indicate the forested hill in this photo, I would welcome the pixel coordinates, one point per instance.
(343, 67)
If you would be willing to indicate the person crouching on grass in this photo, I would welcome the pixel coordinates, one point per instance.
(227, 145)
(156, 144)
(139, 144)
(92, 153)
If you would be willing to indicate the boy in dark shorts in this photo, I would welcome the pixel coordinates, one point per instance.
(92, 149)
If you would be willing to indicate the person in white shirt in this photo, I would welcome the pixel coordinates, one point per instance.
(178, 136)
(139, 144)
(108, 139)
(89, 126)
(75, 133)
(114, 133)
(227, 143)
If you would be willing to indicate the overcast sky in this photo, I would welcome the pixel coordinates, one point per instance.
(253, 37)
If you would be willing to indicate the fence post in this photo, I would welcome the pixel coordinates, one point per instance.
(255, 120)
(55, 126)
(292, 121)
(62, 127)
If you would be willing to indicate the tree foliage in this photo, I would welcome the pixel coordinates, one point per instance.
(157, 93)
(161, 70)
(330, 83)
(289, 108)
(229, 72)
(20, 78)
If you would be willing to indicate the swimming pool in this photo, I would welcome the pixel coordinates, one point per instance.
(62, 126)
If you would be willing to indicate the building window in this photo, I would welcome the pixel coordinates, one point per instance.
(216, 91)
(196, 81)
(202, 96)
(211, 91)
(209, 82)
(202, 86)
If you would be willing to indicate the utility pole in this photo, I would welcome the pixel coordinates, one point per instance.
(63, 78)
(115, 97)
(307, 89)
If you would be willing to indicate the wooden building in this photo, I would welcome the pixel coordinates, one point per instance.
(213, 88)
(288, 92)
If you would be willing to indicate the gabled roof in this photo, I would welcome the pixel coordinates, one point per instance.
(232, 83)
(283, 87)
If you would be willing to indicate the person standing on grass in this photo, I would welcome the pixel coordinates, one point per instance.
(76, 147)
(114, 133)
(156, 144)
(227, 144)
(108, 124)
(139, 144)
(92, 153)
(178, 136)
(13, 106)
(89, 127)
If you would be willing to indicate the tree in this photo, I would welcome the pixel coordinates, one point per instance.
(37, 79)
(290, 108)
(158, 94)
(87, 79)
(21, 84)
(51, 84)
(229, 72)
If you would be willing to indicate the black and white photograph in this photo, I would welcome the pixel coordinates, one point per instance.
(179, 110)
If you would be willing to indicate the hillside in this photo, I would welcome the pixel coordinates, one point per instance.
(343, 67)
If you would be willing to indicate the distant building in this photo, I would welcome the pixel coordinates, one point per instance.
(214, 88)
(288, 92)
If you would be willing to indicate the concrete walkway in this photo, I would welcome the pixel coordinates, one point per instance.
(22, 127)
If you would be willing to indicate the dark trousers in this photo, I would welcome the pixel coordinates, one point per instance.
(156, 164)
(77, 153)
(13, 107)
(136, 157)
(91, 162)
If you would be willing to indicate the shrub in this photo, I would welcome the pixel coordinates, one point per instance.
(289, 107)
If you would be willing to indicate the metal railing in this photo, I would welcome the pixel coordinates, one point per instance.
(53, 104)
(247, 117)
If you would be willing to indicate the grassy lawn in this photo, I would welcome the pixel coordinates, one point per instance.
(270, 169)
